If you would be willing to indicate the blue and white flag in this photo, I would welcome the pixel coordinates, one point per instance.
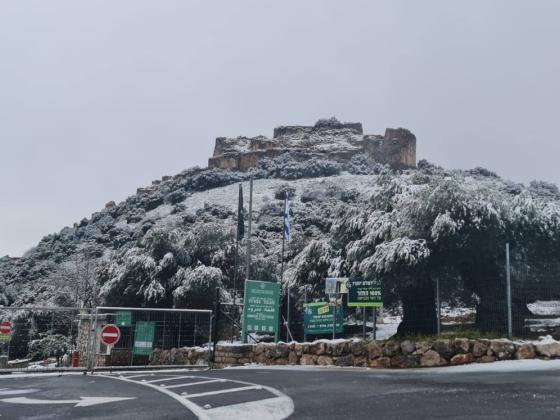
(286, 219)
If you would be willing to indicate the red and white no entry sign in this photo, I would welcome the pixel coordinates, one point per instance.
(5, 327)
(110, 334)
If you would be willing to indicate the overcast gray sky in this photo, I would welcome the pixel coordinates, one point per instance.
(100, 97)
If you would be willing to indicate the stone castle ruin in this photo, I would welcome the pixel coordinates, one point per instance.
(329, 139)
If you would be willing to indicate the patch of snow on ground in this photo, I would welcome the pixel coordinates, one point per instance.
(159, 212)
(502, 366)
(547, 339)
(263, 190)
(544, 307)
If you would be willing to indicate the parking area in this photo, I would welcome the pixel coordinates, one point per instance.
(139, 395)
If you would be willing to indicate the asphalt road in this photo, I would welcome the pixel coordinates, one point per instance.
(277, 393)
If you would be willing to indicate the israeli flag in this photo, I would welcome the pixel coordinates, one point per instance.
(286, 219)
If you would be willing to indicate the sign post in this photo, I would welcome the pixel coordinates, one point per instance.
(110, 335)
(5, 328)
(260, 308)
(335, 287)
(5, 337)
(318, 318)
(124, 318)
(144, 338)
(365, 294)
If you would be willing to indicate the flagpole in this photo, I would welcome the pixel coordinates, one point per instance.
(248, 268)
(282, 262)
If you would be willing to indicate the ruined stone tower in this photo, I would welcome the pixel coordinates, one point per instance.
(329, 139)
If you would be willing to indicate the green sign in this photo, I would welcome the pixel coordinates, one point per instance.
(124, 319)
(260, 308)
(5, 338)
(318, 318)
(144, 337)
(364, 293)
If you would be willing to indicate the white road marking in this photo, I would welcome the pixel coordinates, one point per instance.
(7, 391)
(210, 381)
(82, 402)
(169, 379)
(137, 376)
(276, 408)
(225, 391)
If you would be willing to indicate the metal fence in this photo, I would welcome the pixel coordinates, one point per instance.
(521, 299)
(39, 338)
(46, 339)
(152, 337)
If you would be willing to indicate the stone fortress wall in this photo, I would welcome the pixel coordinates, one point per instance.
(327, 139)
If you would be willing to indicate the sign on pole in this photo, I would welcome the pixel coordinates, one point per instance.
(144, 337)
(364, 293)
(5, 328)
(124, 318)
(110, 334)
(318, 318)
(334, 286)
(260, 309)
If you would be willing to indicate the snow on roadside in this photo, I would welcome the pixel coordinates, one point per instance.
(545, 307)
(501, 366)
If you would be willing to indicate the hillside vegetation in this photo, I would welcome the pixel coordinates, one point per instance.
(173, 243)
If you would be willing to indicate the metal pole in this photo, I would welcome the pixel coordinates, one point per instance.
(364, 322)
(93, 340)
(288, 332)
(283, 239)
(214, 331)
(248, 268)
(438, 307)
(304, 302)
(195, 328)
(179, 335)
(508, 277)
(375, 323)
(334, 320)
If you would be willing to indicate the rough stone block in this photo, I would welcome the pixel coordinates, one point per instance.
(480, 347)
(375, 349)
(347, 360)
(432, 358)
(461, 359)
(391, 348)
(408, 346)
(324, 360)
(380, 362)
(307, 359)
(525, 351)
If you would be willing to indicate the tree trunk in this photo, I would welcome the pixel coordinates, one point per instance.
(419, 310)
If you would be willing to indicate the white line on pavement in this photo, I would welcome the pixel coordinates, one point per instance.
(225, 391)
(171, 378)
(196, 383)
(277, 408)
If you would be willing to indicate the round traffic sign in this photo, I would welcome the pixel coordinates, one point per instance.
(110, 334)
(5, 327)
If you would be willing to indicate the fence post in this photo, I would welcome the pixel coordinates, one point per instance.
(216, 320)
(508, 280)
(288, 331)
(374, 323)
(364, 322)
(334, 320)
(438, 307)
(304, 302)
(92, 339)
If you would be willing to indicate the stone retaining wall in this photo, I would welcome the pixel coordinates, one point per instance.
(381, 354)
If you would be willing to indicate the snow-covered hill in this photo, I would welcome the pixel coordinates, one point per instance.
(173, 243)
